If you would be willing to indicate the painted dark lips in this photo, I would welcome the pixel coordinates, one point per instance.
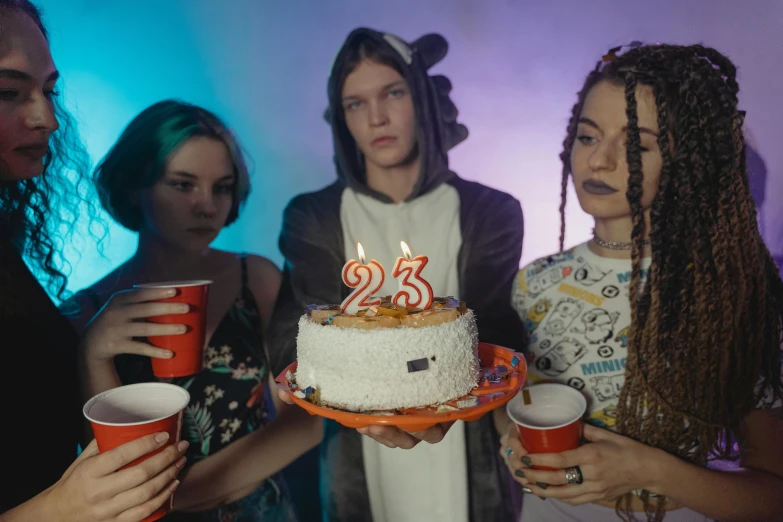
(383, 140)
(599, 188)
(34, 150)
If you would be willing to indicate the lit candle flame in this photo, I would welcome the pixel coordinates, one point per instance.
(406, 250)
(361, 252)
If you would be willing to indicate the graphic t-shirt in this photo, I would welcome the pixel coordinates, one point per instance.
(576, 307)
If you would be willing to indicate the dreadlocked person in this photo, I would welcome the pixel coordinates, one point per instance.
(669, 319)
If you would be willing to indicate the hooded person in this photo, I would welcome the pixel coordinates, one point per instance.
(392, 125)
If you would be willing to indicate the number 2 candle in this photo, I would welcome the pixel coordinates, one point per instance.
(365, 279)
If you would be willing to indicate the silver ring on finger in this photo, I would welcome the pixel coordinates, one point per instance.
(574, 475)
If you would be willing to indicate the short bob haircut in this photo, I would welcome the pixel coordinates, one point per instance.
(138, 158)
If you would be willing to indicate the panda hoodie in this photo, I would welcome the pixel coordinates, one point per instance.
(472, 235)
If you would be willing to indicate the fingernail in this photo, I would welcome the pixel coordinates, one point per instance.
(519, 473)
(182, 446)
(182, 328)
(162, 437)
(171, 292)
(541, 485)
(526, 461)
(527, 490)
(180, 462)
(174, 485)
(168, 354)
(184, 308)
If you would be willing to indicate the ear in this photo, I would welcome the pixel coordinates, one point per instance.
(328, 115)
(432, 48)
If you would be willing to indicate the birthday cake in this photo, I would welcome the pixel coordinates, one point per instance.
(387, 356)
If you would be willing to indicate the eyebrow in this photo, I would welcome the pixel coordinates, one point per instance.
(398, 83)
(188, 175)
(13, 74)
(591, 123)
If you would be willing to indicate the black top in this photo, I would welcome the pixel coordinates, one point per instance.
(42, 419)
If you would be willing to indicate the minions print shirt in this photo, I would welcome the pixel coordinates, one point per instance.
(576, 307)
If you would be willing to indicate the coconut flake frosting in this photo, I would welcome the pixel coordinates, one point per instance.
(388, 368)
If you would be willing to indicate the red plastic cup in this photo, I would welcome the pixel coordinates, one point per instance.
(552, 421)
(130, 412)
(188, 348)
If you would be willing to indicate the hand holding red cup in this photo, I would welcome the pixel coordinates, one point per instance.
(130, 412)
(548, 417)
(188, 348)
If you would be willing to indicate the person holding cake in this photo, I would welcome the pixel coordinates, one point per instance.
(669, 319)
(392, 126)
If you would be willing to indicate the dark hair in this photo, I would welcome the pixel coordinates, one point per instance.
(368, 49)
(38, 214)
(138, 158)
(705, 334)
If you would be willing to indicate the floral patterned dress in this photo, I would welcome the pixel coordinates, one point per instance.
(228, 400)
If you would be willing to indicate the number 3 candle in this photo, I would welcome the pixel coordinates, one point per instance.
(413, 290)
(366, 279)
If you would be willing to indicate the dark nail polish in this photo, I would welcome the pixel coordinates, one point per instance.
(541, 485)
(519, 473)
(526, 461)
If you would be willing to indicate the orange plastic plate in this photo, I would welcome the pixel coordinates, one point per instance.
(488, 395)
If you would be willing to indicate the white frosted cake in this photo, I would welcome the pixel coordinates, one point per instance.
(387, 357)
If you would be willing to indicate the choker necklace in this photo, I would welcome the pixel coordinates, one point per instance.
(612, 245)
